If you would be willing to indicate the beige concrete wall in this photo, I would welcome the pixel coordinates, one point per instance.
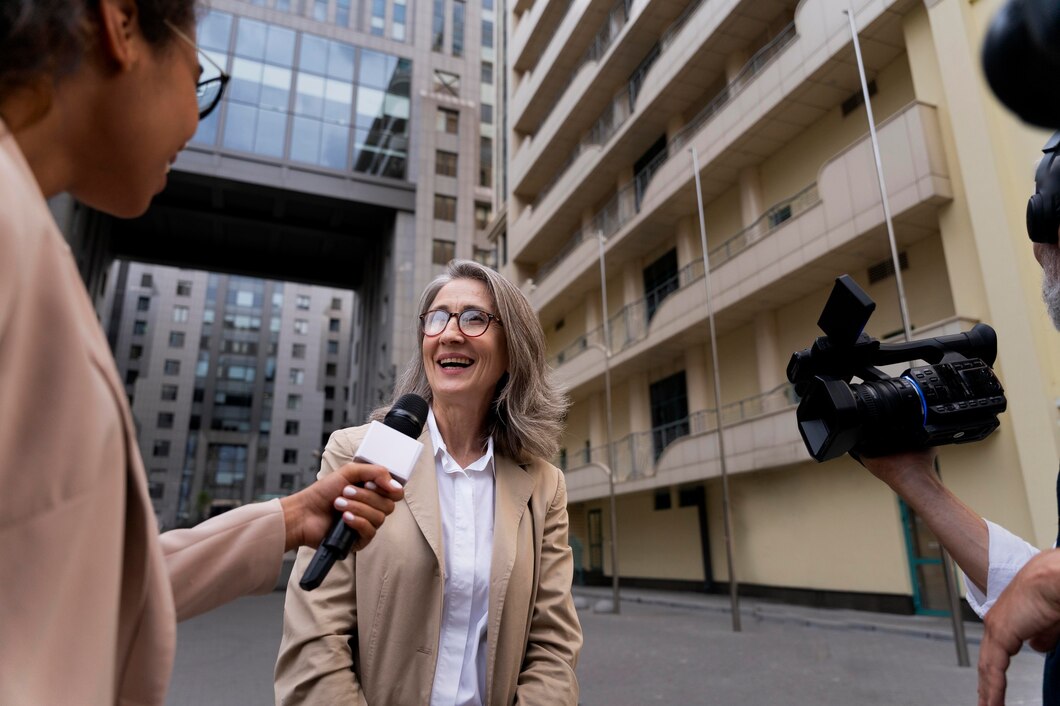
(795, 166)
(722, 216)
(573, 327)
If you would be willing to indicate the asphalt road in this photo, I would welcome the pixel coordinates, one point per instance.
(664, 652)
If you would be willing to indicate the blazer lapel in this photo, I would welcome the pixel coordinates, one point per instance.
(421, 496)
(513, 488)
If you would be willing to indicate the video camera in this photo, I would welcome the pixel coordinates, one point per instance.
(954, 399)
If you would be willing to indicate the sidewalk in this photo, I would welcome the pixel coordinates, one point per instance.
(925, 626)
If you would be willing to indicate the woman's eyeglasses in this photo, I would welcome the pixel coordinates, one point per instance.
(471, 322)
(207, 91)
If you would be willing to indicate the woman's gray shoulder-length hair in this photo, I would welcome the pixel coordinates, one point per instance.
(526, 419)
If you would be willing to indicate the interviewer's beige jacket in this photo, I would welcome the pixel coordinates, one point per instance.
(388, 597)
(89, 592)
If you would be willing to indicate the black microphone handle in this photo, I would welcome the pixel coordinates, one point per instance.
(334, 548)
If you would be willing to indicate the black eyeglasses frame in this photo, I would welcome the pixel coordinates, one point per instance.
(490, 318)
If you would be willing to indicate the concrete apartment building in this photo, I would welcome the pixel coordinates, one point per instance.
(235, 382)
(604, 101)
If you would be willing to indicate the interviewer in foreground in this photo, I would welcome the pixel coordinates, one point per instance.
(97, 98)
(464, 597)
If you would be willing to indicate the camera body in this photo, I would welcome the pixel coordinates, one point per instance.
(954, 399)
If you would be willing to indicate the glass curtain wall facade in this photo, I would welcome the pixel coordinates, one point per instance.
(308, 99)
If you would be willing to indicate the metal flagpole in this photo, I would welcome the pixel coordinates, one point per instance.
(610, 445)
(734, 598)
(947, 563)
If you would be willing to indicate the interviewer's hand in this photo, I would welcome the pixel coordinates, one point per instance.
(1028, 610)
(308, 514)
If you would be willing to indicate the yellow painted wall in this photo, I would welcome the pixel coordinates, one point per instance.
(722, 217)
(661, 544)
(830, 526)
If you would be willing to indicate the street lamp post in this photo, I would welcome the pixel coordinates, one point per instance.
(959, 639)
(610, 446)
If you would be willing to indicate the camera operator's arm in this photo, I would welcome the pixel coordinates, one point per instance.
(962, 532)
(988, 554)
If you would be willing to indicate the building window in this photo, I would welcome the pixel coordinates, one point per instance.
(328, 415)
(290, 455)
(294, 401)
(487, 73)
(336, 303)
(447, 121)
(486, 256)
(331, 369)
(298, 350)
(143, 303)
(438, 26)
(487, 34)
(397, 24)
(302, 301)
(157, 489)
(147, 280)
(333, 325)
(180, 314)
(669, 411)
(445, 163)
(297, 376)
(287, 482)
(136, 351)
(301, 326)
(329, 392)
(226, 463)
(160, 449)
(165, 420)
(290, 427)
(458, 27)
(378, 22)
(176, 339)
(169, 392)
(443, 251)
(446, 82)
(485, 162)
(171, 367)
(139, 328)
(444, 208)
(483, 214)
(130, 377)
(184, 288)
(661, 279)
(486, 113)
(333, 347)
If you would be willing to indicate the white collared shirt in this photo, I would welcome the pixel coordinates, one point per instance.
(466, 499)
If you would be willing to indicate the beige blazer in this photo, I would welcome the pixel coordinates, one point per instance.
(89, 592)
(369, 634)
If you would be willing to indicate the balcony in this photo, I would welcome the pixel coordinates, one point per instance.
(579, 42)
(536, 29)
(797, 247)
(760, 433)
(790, 83)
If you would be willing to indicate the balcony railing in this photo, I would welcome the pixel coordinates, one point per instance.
(631, 323)
(616, 114)
(637, 454)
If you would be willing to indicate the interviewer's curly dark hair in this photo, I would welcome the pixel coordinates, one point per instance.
(48, 38)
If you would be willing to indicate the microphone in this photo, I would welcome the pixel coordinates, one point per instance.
(391, 444)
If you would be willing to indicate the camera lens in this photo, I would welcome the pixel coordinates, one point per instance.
(887, 409)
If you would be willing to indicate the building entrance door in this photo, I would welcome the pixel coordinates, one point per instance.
(596, 543)
(925, 564)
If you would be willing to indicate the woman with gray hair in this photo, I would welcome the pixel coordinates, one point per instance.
(464, 596)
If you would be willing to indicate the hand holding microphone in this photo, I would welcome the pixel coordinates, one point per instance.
(391, 444)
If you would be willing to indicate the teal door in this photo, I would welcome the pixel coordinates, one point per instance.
(925, 564)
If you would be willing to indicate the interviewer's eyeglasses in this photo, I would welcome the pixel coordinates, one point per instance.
(208, 91)
(471, 322)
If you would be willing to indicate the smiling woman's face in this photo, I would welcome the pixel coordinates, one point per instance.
(458, 365)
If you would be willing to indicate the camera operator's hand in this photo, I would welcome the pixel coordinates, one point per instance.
(963, 533)
(1028, 610)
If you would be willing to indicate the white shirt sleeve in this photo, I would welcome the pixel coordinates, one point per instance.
(1007, 555)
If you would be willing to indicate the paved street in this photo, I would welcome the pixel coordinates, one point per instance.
(665, 648)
